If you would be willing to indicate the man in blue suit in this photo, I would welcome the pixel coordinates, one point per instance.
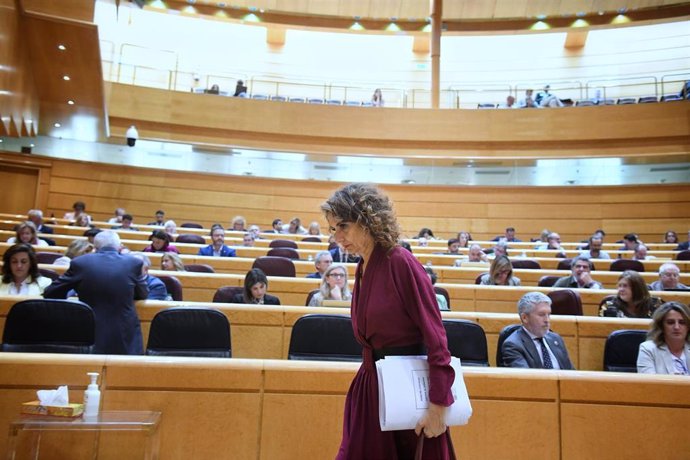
(108, 282)
(218, 248)
(533, 345)
(157, 289)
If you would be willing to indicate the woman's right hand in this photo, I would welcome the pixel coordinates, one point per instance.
(336, 293)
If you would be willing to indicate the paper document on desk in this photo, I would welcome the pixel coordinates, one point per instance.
(404, 393)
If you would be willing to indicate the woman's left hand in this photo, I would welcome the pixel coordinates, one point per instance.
(432, 424)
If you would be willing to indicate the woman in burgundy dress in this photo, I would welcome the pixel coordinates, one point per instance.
(394, 312)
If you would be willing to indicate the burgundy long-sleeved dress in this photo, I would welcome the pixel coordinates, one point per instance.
(394, 305)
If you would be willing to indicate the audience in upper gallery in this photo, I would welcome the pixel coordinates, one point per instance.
(36, 216)
(669, 276)
(170, 228)
(500, 273)
(553, 243)
(440, 298)
(509, 236)
(333, 286)
(670, 237)
(248, 240)
(377, 98)
(453, 246)
(75, 249)
(633, 299)
(509, 103)
(78, 208)
(464, 238)
(595, 251)
(160, 218)
(547, 99)
(323, 260)
(528, 101)
(534, 345)
(20, 274)
(26, 233)
(240, 89)
(426, 233)
(126, 223)
(157, 290)
(685, 245)
(83, 220)
(217, 248)
(171, 262)
(117, 219)
(597, 234)
(314, 229)
(667, 349)
(254, 292)
(238, 224)
(215, 89)
(255, 231)
(108, 282)
(91, 233)
(294, 227)
(641, 253)
(160, 242)
(580, 277)
(276, 226)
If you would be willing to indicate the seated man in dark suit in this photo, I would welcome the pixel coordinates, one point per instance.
(36, 216)
(684, 246)
(533, 345)
(322, 261)
(580, 277)
(157, 289)
(108, 282)
(339, 255)
(217, 248)
(508, 237)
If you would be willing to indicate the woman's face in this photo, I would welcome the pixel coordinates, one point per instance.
(502, 276)
(336, 278)
(157, 243)
(170, 229)
(258, 290)
(670, 238)
(237, 226)
(167, 264)
(352, 237)
(625, 291)
(463, 240)
(26, 236)
(20, 265)
(314, 230)
(675, 326)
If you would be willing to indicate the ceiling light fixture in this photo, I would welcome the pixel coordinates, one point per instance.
(57, 125)
(66, 77)
(70, 102)
(62, 47)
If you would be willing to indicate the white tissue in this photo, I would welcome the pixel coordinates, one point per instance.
(59, 397)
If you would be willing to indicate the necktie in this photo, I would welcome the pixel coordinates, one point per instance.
(545, 354)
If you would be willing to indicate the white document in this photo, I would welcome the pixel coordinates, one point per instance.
(404, 393)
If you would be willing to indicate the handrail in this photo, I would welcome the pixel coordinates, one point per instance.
(618, 79)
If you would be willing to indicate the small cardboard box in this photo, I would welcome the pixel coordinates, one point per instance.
(70, 410)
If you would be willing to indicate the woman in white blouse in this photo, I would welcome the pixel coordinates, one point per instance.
(20, 272)
(668, 349)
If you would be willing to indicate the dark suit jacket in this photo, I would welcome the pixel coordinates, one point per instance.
(683, 246)
(44, 229)
(519, 350)
(224, 251)
(268, 299)
(108, 282)
(316, 275)
(337, 257)
(157, 290)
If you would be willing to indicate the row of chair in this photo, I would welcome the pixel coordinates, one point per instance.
(310, 100)
(63, 326)
(619, 101)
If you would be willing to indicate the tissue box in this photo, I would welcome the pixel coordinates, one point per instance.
(70, 410)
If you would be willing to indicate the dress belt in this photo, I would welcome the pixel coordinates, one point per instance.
(405, 350)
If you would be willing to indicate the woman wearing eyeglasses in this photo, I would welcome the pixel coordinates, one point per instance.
(668, 349)
(333, 286)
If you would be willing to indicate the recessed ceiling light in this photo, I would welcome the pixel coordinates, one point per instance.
(62, 47)
(57, 125)
(66, 77)
(70, 102)
(28, 122)
(32, 145)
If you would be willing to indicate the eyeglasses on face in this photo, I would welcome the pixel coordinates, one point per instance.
(336, 275)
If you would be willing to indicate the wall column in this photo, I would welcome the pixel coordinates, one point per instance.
(436, 14)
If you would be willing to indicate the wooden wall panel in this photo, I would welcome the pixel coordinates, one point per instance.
(574, 212)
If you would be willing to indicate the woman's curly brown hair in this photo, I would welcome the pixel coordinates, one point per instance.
(366, 205)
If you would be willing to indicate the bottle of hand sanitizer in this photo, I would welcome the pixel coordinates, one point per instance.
(92, 396)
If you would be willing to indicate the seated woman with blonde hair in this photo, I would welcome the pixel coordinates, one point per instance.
(75, 249)
(667, 350)
(333, 286)
(26, 233)
(500, 273)
(171, 262)
(20, 274)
